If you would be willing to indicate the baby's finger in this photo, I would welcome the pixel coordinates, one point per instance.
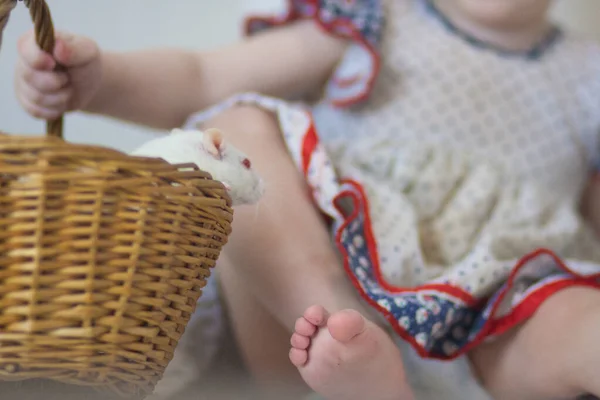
(32, 55)
(37, 111)
(27, 101)
(74, 51)
(55, 100)
(44, 81)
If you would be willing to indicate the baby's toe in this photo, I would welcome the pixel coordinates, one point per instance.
(346, 325)
(316, 315)
(300, 342)
(304, 327)
(298, 357)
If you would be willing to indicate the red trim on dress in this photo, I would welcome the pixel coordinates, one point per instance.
(309, 145)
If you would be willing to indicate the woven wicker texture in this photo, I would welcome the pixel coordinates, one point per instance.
(103, 256)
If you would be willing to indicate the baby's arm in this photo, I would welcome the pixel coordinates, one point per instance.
(160, 88)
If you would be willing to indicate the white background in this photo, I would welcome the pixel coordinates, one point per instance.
(133, 24)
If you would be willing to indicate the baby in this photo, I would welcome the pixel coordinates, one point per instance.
(451, 148)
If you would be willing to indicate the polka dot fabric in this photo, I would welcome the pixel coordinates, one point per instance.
(452, 179)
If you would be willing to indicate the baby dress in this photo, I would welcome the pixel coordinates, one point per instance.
(451, 169)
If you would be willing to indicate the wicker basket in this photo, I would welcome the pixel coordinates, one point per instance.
(103, 256)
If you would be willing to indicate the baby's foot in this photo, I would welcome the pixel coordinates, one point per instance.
(346, 357)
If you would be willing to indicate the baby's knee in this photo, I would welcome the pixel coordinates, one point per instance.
(244, 123)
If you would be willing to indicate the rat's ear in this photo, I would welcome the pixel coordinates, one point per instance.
(213, 142)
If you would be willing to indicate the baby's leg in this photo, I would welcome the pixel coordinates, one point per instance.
(262, 341)
(554, 355)
(281, 248)
(280, 252)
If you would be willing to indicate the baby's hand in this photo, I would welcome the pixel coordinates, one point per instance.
(46, 93)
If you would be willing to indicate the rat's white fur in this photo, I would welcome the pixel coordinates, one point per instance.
(211, 154)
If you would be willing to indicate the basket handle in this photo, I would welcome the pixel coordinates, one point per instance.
(45, 38)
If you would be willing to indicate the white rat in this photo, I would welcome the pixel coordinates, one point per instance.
(209, 151)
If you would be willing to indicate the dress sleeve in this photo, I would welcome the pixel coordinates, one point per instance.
(360, 21)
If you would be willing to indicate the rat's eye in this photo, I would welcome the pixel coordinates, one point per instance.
(246, 163)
